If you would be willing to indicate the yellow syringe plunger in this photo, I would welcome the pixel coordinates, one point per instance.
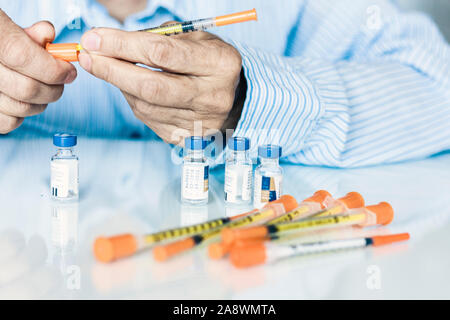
(64, 51)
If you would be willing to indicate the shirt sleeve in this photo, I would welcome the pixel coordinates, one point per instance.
(385, 98)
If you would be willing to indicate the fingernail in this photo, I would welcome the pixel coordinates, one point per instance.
(70, 77)
(91, 41)
(85, 61)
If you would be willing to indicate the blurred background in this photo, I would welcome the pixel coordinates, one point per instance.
(438, 9)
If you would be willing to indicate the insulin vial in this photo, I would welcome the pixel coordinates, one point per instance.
(194, 179)
(268, 176)
(64, 168)
(238, 172)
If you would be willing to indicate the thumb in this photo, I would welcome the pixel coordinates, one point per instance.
(41, 32)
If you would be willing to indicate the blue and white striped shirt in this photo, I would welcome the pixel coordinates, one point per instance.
(338, 83)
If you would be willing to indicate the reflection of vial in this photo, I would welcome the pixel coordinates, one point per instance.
(64, 168)
(268, 175)
(195, 176)
(64, 236)
(64, 225)
(238, 172)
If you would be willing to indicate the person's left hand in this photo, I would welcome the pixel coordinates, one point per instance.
(197, 82)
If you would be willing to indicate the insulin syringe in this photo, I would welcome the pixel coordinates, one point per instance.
(321, 204)
(108, 249)
(259, 252)
(203, 24)
(380, 214)
(271, 210)
(70, 51)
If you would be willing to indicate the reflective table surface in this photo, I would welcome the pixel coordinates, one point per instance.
(134, 186)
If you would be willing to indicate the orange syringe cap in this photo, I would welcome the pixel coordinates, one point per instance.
(383, 211)
(229, 234)
(353, 200)
(289, 203)
(219, 250)
(165, 252)
(113, 248)
(236, 17)
(319, 197)
(248, 256)
(388, 239)
(64, 51)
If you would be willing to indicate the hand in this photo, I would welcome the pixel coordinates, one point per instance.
(197, 82)
(30, 78)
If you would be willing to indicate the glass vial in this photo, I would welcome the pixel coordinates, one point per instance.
(238, 172)
(64, 168)
(195, 175)
(268, 176)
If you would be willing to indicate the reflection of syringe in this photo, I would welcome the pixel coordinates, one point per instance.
(258, 252)
(70, 51)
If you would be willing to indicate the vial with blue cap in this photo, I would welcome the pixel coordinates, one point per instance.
(195, 175)
(64, 168)
(268, 176)
(238, 172)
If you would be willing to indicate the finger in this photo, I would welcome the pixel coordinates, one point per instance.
(146, 111)
(19, 109)
(183, 118)
(20, 53)
(41, 32)
(164, 127)
(154, 87)
(9, 123)
(167, 132)
(28, 90)
(156, 51)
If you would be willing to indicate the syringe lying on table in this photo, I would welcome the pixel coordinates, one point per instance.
(108, 249)
(70, 51)
(306, 209)
(380, 214)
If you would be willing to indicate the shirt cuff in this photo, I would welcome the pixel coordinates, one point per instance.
(326, 144)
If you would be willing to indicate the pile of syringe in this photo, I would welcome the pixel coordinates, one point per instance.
(282, 228)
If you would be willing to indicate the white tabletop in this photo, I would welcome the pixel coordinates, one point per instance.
(133, 186)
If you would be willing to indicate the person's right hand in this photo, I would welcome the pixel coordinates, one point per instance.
(30, 77)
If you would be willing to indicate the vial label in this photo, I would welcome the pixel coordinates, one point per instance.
(238, 183)
(266, 189)
(195, 181)
(64, 178)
